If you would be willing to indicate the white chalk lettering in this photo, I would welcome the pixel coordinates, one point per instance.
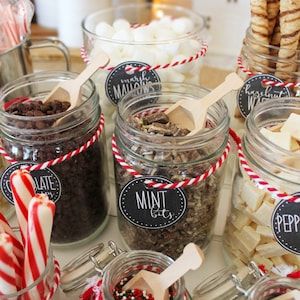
(288, 223)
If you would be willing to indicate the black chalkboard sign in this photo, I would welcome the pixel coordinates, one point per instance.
(286, 225)
(151, 208)
(46, 182)
(254, 92)
(119, 81)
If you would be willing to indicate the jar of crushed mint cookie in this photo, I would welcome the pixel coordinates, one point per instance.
(179, 206)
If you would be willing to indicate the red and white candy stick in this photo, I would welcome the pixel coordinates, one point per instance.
(17, 245)
(10, 271)
(23, 189)
(40, 220)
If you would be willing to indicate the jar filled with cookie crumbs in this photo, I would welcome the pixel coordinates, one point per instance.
(53, 142)
(272, 152)
(148, 148)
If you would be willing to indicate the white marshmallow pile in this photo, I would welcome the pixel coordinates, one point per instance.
(162, 41)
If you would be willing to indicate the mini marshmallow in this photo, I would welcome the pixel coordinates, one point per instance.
(121, 24)
(175, 76)
(165, 34)
(125, 35)
(190, 47)
(184, 68)
(143, 34)
(182, 25)
(144, 55)
(104, 30)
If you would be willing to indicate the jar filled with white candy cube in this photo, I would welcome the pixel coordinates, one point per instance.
(146, 43)
(180, 207)
(271, 145)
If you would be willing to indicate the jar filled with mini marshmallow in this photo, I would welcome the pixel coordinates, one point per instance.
(146, 43)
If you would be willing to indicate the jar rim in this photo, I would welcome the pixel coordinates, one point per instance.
(259, 141)
(180, 141)
(136, 254)
(188, 12)
(44, 76)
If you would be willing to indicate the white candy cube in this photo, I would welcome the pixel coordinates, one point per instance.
(252, 196)
(292, 126)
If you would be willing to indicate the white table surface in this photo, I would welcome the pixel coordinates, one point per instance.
(213, 255)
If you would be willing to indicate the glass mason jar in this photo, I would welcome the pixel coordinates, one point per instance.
(135, 46)
(184, 215)
(76, 185)
(261, 58)
(32, 292)
(248, 234)
(126, 265)
(243, 283)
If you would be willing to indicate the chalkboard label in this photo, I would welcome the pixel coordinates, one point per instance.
(119, 82)
(46, 182)
(254, 92)
(151, 208)
(286, 225)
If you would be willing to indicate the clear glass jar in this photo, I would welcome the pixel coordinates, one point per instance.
(126, 265)
(173, 158)
(248, 233)
(246, 283)
(261, 58)
(144, 50)
(31, 291)
(79, 188)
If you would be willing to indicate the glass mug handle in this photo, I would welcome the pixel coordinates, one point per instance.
(52, 42)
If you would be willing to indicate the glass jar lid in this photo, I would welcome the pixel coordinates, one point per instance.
(88, 264)
(229, 283)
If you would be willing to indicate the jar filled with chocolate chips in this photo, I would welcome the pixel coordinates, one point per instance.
(154, 149)
(33, 132)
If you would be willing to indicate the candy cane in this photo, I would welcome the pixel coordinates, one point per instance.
(22, 187)
(40, 220)
(8, 276)
(18, 247)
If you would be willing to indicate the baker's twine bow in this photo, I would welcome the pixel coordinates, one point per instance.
(129, 68)
(62, 158)
(266, 81)
(259, 182)
(178, 184)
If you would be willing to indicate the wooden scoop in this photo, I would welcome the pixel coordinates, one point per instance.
(191, 114)
(158, 284)
(69, 90)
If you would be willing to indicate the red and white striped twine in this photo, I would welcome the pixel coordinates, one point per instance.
(265, 81)
(200, 53)
(56, 281)
(260, 183)
(179, 184)
(62, 158)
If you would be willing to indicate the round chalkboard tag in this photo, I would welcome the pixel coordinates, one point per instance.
(286, 225)
(46, 182)
(151, 208)
(254, 92)
(119, 82)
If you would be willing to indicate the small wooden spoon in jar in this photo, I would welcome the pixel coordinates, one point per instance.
(191, 114)
(69, 90)
(158, 284)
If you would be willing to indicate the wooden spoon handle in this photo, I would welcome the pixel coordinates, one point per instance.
(100, 60)
(191, 259)
(232, 82)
